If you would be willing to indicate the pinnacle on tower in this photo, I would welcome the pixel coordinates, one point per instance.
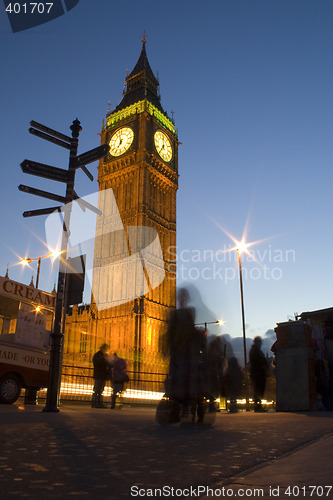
(141, 84)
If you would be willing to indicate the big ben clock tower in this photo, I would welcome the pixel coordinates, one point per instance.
(134, 280)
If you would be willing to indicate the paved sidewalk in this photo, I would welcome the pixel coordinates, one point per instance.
(117, 454)
(307, 472)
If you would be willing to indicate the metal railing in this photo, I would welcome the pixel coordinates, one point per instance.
(77, 385)
(143, 388)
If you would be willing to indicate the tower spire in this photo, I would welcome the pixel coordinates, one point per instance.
(141, 83)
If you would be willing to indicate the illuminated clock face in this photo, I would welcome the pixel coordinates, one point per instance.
(163, 145)
(121, 141)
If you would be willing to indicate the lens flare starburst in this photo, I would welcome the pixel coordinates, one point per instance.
(241, 246)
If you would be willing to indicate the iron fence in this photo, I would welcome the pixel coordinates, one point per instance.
(142, 388)
(77, 385)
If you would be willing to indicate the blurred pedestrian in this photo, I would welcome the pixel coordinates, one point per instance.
(101, 374)
(258, 372)
(118, 378)
(214, 371)
(233, 382)
(187, 348)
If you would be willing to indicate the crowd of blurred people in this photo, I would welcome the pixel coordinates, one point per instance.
(199, 369)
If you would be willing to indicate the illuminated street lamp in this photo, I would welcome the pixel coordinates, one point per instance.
(217, 322)
(24, 262)
(241, 247)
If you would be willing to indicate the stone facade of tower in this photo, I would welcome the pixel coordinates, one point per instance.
(134, 275)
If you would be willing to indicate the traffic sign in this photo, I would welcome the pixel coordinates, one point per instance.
(41, 211)
(42, 170)
(43, 194)
(50, 138)
(50, 131)
(92, 155)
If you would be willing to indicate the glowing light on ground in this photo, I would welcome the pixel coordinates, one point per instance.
(69, 389)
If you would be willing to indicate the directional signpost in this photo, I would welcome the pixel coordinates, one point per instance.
(42, 170)
(67, 177)
(47, 137)
(50, 131)
(84, 204)
(43, 194)
(92, 155)
(41, 211)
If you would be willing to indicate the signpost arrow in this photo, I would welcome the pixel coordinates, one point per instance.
(41, 211)
(43, 194)
(88, 174)
(42, 170)
(92, 155)
(49, 138)
(50, 131)
(84, 204)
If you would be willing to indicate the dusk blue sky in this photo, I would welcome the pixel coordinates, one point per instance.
(250, 83)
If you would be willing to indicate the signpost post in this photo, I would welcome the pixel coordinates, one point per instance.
(68, 177)
(57, 336)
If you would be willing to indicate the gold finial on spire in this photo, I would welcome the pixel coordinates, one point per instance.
(144, 38)
(108, 108)
(125, 82)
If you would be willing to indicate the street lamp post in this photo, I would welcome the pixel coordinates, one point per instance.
(239, 252)
(38, 271)
(242, 246)
(26, 261)
(242, 305)
(217, 322)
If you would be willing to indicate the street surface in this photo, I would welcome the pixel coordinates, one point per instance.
(102, 453)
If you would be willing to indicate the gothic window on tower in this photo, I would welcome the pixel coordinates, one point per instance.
(83, 341)
(126, 197)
